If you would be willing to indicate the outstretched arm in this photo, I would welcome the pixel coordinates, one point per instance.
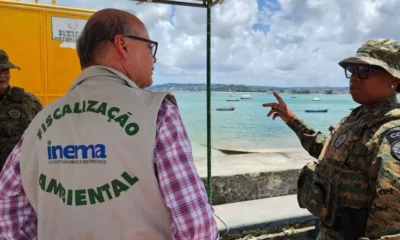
(311, 140)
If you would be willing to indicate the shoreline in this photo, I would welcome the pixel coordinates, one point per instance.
(284, 93)
(236, 150)
(253, 163)
(219, 151)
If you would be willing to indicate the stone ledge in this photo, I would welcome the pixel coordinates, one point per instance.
(259, 214)
(246, 177)
(244, 187)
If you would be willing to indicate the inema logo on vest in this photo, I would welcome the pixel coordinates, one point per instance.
(76, 152)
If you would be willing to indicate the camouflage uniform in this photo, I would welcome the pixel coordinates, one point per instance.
(354, 185)
(17, 109)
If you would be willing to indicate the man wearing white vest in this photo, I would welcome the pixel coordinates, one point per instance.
(108, 160)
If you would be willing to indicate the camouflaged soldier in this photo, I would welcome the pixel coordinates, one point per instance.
(17, 109)
(354, 185)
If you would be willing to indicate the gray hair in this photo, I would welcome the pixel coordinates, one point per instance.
(102, 27)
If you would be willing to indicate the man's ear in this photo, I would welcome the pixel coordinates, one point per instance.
(120, 44)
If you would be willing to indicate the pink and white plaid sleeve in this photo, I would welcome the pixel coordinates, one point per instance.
(181, 187)
(17, 218)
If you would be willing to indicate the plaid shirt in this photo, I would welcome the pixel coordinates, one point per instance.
(181, 187)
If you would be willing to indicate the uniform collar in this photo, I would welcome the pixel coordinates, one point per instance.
(9, 91)
(7, 94)
(378, 110)
(389, 103)
(102, 71)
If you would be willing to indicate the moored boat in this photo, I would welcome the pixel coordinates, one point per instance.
(231, 108)
(316, 110)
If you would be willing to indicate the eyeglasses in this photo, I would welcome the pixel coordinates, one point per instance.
(153, 47)
(363, 71)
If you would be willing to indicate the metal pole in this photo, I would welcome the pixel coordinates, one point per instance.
(209, 188)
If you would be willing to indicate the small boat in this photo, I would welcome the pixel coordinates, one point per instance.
(316, 99)
(246, 97)
(316, 110)
(232, 97)
(293, 97)
(231, 108)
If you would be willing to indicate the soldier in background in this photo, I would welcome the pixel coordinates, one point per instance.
(17, 109)
(354, 185)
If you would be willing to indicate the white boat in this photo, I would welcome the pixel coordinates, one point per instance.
(246, 97)
(232, 98)
(231, 108)
(316, 99)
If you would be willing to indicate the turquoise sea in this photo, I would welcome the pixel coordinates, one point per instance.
(248, 126)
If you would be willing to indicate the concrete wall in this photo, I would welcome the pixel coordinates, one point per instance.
(243, 187)
(253, 176)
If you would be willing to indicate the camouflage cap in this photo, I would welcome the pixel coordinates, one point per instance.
(379, 52)
(5, 63)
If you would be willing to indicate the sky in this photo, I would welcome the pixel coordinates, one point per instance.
(259, 42)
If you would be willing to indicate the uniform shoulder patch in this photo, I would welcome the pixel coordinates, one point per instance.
(394, 139)
(340, 140)
(393, 136)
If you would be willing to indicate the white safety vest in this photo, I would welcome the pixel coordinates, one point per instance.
(87, 162)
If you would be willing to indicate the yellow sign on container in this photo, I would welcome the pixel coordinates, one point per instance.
(40, 39)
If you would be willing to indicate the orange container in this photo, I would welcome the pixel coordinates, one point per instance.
(40, 39)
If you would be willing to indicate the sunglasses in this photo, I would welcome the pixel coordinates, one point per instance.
(363, 71)
(153, 47)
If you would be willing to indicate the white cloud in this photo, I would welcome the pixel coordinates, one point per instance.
(303, 44)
